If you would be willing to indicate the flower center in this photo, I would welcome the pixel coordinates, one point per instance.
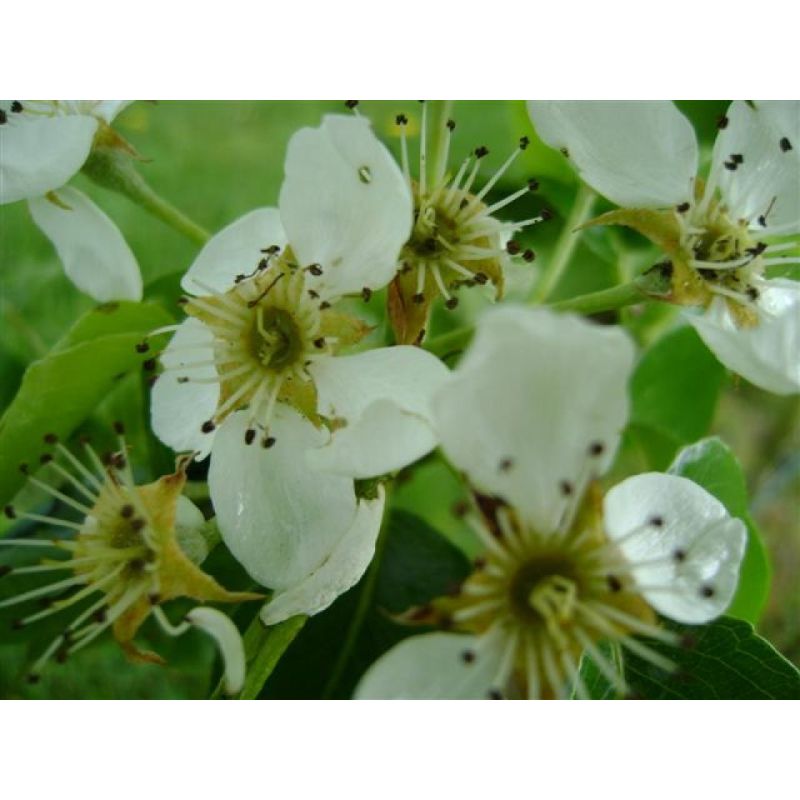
(724, 260)
(277, 340)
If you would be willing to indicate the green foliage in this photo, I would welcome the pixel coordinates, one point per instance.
(674, 394)
(62, 389)
(712, 465)
(724, 660)
(418, 564)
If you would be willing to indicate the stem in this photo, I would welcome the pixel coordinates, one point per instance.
(113, 169)
(606, 300)
(360, 613)
(565, 246)
(440, 111)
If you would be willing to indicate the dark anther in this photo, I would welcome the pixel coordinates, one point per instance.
(366, 294)
(546, 214)
(707, 591)
(708, 274)
(460, 509)
(351, 104)
(33, 678)
(119, 428)
(762, 220)
(722, 123)
(752, 293)
(50, 438)
(249, 436)
(239, 278)
(731, 165)
(182, 379)
(154, 598)
(208, 426)
(566, 488)
(419, 298)
(494, 694)
(319, 342)
(99, 615)
(482, 278)
(126, 511)
(683, 208)
(481, 151)
(45, 458)
(786, 145)
(451, 303)
(142, 347)
(16, 106)
(24, 469)
(136, 565)
(262, 265)
(512, 247)
(183, 300)
(614, 583)
(679, 555)
(596, 449)
(737, 158)
(268, 442)
(468, 656)
(4, 570)
(529, 255)
(138, 524)
(533, 185)
(149, 365)
(524, 142)
(757, 249)
(451, 125)
(3, 117)
(324, 305)
(505, 464)
(401, 119)
(656, 521)
(564, 152)
(315, 269)
(313, 295)
(9, 512)
(479, 564)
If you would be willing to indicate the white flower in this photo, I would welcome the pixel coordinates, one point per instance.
(533, 415)
(133, 550)
(457, 240)
(42, 145)
(719, 234)
(254, 376)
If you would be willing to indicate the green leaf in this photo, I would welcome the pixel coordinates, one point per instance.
(712, 465)
(675, 387)
(724, 660)
(59, 391)
(417, 564)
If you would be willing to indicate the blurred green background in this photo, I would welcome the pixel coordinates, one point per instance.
(218, 160)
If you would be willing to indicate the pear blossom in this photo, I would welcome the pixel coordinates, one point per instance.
(722, 234)
(42, 145)
(255, 375)
(456, 240)
(137, 547)
(533, 416)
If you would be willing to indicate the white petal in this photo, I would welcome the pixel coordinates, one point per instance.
(385, 397)
(340, 571)
(109, 109)
(767, 355)
(178, 409)
(94, 253)
(345, 205)
(535, 394)
(39, 155)
(235, 250)
(280, 519)
(698, 584)
(430, 667)
(767, 182)
(640, 153)
(229, 642)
